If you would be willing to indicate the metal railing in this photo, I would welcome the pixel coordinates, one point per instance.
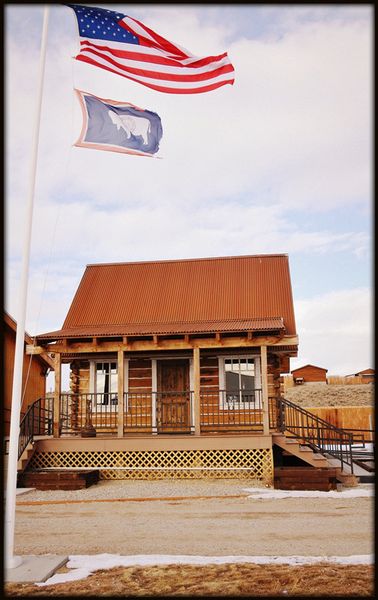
(142, 411)
(78, 411)
(315, 432)
(137, 411)
(38, 420)
(162, 412)
(236, 410)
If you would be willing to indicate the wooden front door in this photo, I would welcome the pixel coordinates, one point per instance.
(173, 396)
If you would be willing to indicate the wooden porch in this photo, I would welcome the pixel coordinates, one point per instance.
(159, 456)
(159, 413)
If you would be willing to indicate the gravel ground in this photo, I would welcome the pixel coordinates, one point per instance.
(118, 489)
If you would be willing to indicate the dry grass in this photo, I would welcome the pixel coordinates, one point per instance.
(318, 395)
(321, 580)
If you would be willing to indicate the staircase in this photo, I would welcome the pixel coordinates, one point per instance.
(294, 447)
(22, 463)
(316, 443)
(36, 423)
(320, 470)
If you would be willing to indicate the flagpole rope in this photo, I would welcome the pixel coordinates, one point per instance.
(53, 236)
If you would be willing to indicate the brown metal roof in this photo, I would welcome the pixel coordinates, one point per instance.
(308, 367)
(182, 296)
(269, 324)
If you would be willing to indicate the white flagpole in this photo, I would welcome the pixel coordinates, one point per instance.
(12, 561)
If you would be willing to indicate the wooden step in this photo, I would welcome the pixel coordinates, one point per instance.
(295, 448)
(63, 479)
(305, 478)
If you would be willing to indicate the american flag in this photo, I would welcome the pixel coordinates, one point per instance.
(115, 42)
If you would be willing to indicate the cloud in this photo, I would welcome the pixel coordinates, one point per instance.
(242, 168)
(336, 331)
(286, 121)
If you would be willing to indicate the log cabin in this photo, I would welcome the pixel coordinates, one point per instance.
(365, 376)
(175, 370)
(309, 374)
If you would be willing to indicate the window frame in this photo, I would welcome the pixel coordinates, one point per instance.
(112, 399)
(239, 403)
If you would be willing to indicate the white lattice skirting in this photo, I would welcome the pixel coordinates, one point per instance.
(163, 464)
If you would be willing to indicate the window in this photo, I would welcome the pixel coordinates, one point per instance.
(241, 381)
(106, 383)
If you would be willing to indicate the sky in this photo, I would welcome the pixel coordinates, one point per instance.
(280, 162)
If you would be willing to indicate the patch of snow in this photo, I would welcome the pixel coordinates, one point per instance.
(356, 492)
(84, 565)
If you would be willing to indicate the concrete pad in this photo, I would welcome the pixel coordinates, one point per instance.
(21, 491)
(35, 569)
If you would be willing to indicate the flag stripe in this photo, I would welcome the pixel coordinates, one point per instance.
(164, 73)
(159, 88)
(153, 56)
(148, 36)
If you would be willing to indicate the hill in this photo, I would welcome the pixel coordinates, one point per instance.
(315, 394)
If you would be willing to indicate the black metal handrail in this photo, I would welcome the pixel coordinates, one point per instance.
(38, 420)
(315, 432)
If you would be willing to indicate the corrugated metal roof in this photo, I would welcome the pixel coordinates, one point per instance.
(270, 324)
(182, 296)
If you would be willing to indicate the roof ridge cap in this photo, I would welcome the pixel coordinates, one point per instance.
(180, 260)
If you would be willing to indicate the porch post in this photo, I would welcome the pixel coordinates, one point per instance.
(153, 395)
(57, 392)
(121, 389)
(196, 399)
(264, 389)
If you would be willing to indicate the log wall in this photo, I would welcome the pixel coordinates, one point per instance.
(36, 378)
(311, 374)
(138, 412)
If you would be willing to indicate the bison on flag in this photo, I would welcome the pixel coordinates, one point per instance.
(118, 126)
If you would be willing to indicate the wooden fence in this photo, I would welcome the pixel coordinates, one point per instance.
(288, 380)
(347, 417)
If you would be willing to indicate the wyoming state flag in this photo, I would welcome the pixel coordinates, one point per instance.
(118, 126)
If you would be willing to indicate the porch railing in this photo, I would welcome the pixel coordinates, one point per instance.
(315, 432)
(238, 410)
(38, 420)
(162, 412)
(143, 411)
(77, 411)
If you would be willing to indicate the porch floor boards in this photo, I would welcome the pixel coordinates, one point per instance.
(139, 442)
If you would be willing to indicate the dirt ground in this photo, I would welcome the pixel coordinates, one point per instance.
(232, 524)
(207, 527)
(331, 395)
